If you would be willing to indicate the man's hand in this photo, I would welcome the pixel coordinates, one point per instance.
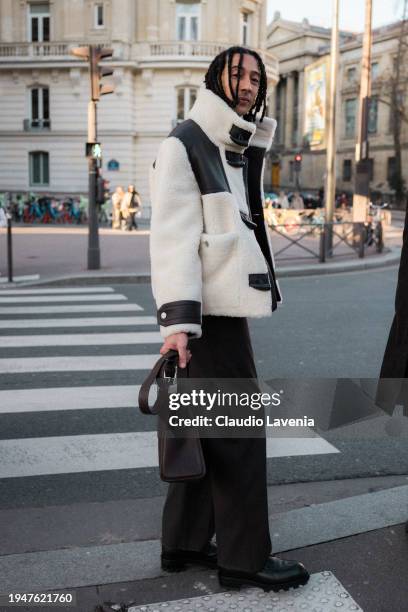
(178, 342)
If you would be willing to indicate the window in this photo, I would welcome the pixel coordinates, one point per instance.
(187, 20)
(40, 107)
(291, 171)
(280, 105)
(186, 97)
(391, 170)
(351, 74)
(373, 115)
(99, 15)
(374, 70)
(350, 117)
(39, 22)
(347, 170)
(391, 117)
(39, 168)
(245, 28)
(371, 169)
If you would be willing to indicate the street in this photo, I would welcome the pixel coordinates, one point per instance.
(80, 493)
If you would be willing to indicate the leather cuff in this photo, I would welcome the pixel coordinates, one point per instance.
(183, 311)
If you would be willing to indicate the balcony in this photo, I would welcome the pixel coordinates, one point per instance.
(143, 54)
(36, 125)
(37, 50)
(153, 54)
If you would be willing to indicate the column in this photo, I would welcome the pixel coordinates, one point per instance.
(301, 107)
(289, 111)
(152, 20)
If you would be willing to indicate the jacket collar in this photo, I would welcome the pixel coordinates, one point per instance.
(220, 122)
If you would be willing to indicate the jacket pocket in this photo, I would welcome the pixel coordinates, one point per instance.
(217, 252)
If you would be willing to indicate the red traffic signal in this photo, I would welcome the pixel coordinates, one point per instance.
(298, 157)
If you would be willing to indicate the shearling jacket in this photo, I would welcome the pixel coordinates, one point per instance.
(209, 247)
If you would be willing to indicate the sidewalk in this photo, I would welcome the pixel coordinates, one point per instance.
(58, 255)
(350, 534)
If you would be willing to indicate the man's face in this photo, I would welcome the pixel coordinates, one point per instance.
(248, 85)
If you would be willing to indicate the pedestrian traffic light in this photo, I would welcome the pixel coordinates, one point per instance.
(298, 162)
(98, 89)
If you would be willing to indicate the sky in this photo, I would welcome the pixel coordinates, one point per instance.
(318, 12)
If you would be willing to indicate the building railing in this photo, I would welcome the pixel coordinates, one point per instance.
(176, 48)
(34, 49)
(32, 125)
(139, 52)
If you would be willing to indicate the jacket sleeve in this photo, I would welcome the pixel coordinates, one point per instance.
(175, 231)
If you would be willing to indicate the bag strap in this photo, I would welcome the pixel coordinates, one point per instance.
(170, 357)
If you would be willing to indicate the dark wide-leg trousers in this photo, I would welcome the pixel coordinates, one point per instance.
(231, 500)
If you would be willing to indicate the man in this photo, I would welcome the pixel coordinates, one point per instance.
(212, 267)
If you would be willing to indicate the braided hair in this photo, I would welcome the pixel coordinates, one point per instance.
(214, 83)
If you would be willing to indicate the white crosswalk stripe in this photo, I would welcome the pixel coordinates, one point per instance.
(65, 298)
(14, 310)
(68, 398)
(57, 291)
(86, 363)
(12, 324)
(80, 339)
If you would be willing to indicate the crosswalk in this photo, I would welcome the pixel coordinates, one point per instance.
(71, 364)
(38, 340)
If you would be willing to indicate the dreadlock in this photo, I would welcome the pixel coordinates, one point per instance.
(214, 83)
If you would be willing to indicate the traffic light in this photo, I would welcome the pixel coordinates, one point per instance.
(98, 72)
(298, 162)
(100, 189)
(94, 54)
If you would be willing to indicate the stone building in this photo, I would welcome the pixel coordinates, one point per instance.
(297, 45)
(162, 49)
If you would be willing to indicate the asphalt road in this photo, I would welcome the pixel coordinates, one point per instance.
(329, 326)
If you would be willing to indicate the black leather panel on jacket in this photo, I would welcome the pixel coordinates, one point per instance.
(240, 136)
(260, 281)
(204, 157)
(255, 156)
(237, 160)
(247, 220)
(182, 311)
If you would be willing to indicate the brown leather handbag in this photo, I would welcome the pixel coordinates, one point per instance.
(180, 459)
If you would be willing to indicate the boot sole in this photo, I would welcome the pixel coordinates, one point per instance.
(176, 565)
(237, 583)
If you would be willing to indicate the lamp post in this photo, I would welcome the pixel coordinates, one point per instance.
(330, 190)
(361, 195)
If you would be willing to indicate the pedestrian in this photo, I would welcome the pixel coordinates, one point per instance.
(117, 198)
(211, 268)
(297, 202)
(283, 200)
(132, 204)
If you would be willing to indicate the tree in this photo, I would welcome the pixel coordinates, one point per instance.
(393, 89)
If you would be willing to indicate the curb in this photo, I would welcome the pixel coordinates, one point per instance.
(391, 258)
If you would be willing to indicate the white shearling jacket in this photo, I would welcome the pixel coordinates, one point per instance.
(209, 247)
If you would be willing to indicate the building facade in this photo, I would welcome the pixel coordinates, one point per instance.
(162, 49)
(297, 45)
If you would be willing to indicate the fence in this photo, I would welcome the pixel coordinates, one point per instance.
(326, 238)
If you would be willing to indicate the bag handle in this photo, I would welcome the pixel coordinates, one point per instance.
(169, 358)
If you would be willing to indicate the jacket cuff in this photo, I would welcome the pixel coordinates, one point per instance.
(191, 329)
(264, 134)
(180, 316)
